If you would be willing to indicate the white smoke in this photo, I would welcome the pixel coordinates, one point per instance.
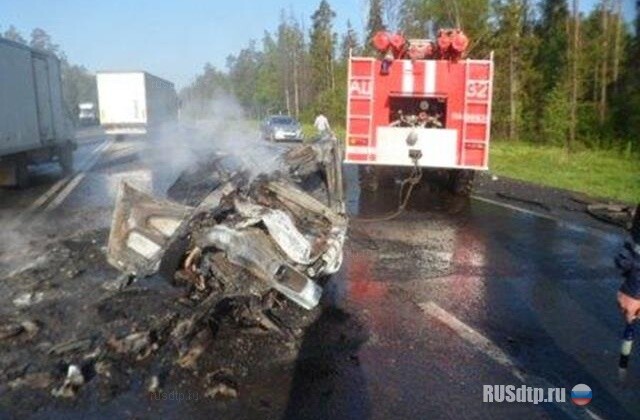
(222, 127)
(153, 163)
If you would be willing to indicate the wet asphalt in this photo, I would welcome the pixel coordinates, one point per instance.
(452, 295)
(541, 292)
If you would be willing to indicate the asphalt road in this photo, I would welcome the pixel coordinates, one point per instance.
(464, 294)
(54, 206)
(449, 297)
(100, 164)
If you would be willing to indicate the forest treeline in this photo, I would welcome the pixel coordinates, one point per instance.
(561, 77)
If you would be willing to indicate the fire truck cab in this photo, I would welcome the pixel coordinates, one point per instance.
(433, 111)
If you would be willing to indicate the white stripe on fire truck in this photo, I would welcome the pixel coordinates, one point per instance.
(430, 76)
(407, 76)
(360, 150)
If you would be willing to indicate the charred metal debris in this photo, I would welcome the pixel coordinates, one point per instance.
(245, 255)
(268, 227)
(252, 241)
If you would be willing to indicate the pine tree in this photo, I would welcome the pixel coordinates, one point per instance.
(14, 35)
(508, 42)
(349, 43)
(42, 40)
(551, 60)
(552, 52)
(574, 55)
(472, 16)
(321, 49)
(375, 21)
(246, 73)
(625, 103)
(290, 48)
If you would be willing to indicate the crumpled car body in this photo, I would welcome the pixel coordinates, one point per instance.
(267, 226)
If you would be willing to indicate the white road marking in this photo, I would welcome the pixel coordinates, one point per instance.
(472, 336)
(490, 349)
(86, 166)
(56, 187)
(572, 226)
(47, 195)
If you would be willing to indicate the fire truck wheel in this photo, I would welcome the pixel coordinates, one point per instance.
(387, 176)
(368, 178)
(461, 182)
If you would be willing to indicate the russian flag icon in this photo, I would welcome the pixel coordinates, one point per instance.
(581, 394)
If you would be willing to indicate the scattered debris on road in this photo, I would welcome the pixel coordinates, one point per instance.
(562, 204)
(218, 280)
(616, 214)
(72, 383)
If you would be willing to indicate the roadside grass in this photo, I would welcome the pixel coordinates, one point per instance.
(600, 173)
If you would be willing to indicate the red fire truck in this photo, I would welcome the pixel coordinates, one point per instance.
(420, 104)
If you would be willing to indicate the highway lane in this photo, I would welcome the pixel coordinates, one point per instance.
(46, 180)
(451, 296)
(456, 294)
(55, 207)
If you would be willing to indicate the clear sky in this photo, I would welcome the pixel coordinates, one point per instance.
(170, 38)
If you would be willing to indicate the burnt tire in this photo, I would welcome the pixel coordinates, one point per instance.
(460, 182)
(65, 159)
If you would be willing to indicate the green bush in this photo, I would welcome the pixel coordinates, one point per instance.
(555, 124)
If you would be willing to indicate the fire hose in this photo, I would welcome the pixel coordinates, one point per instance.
(406, 188)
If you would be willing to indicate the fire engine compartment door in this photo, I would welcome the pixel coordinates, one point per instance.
(439, 146)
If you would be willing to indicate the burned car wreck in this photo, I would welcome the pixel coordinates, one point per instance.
(231, 267)
(248, 241)
(266, 225)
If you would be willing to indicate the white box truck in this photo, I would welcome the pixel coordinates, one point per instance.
(34, 124)
(87, 114)
(134, 102)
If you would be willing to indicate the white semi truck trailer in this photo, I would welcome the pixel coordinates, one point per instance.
(34, 125)
(134, 102)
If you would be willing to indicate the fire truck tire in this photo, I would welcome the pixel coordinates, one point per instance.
(385, 176)
(461, 182)
(368, 178)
